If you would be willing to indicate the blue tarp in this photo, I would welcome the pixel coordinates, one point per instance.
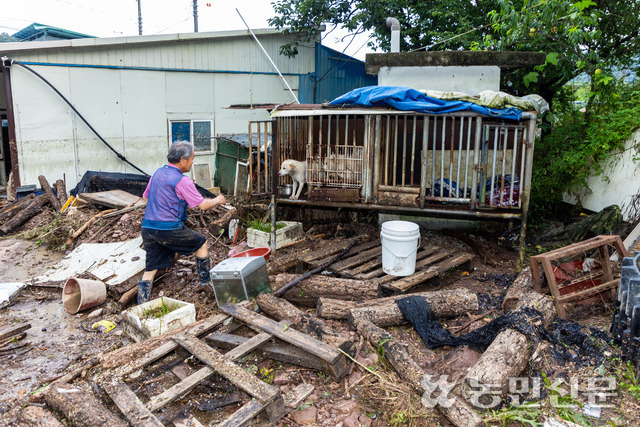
(407, 99)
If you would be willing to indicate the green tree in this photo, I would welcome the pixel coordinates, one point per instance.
(4, 37)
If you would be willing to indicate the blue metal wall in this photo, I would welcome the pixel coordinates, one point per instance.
(335, 75)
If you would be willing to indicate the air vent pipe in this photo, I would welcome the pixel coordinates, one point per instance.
(394, 24)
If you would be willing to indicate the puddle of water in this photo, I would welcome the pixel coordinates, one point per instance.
(56, 339)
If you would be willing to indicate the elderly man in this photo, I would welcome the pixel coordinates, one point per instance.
(164, 234)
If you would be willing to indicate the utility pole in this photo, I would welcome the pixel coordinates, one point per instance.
(195, 16)
(139, 18)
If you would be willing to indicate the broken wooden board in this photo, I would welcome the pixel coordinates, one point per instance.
(113, 199)
(9, 331)
(335, 361)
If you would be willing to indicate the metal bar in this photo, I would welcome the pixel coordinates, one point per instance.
(452, 193)
(433, 155)
(386, 146)
(404, 150)
(476, 161)
(466, 166)
(444, 130)
(266, 158)
(250, 160)
(376, 159)
(464, 193)
(423, 171)
(269, 58)
(514, 160)
(367, 155)
(346, 130)
(395, 152)
(413, 147)
(525, 136)
(493, 164)
(309, 155)
(504, 165)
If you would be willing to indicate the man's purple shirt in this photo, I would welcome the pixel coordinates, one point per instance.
(185, 189)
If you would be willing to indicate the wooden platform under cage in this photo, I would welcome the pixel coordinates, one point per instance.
(364, 261)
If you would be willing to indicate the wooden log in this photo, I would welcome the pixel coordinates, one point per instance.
(15, 207)
(223, 222)
(86, 225)
(508, 354)
(459, 413)
(446, 303)
(10, 331)
(49, 192)
(317, 328)
(81, 408)
(25, 214)
(311, 289)
(62, 191)
(34, 416)
(523, 283)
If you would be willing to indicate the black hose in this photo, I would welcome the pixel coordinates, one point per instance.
(120, 156)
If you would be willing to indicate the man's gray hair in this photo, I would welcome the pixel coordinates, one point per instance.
(180, 150)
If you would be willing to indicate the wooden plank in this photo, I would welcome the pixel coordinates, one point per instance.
(296, 396)
(113, 199)
(327, 250)
(428, 250)
(420, 265)
(354, 251)
(9, 331)
(589, 276)
(276, 351)
(238, 376)
(292, 336)
(248, 346)
(590, 292)
(243, 415)
(357, 259)
(180, 389)
(336, 362)
(408, 282)
(130, 406)
(186, 421)
(423, 259)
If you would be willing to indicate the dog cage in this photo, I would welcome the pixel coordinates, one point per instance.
(465, 162)
(259, 162)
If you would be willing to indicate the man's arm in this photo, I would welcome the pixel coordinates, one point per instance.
(210, 203)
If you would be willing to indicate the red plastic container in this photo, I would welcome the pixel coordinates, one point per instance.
(264, 252)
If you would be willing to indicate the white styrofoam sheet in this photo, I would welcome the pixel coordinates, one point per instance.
(113, 261)
(8, 291)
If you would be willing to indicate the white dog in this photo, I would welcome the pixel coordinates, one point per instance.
(298, 173)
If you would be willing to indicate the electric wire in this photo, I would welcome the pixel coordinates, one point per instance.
(120, 156)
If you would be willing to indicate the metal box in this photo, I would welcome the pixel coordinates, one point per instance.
(238, 279)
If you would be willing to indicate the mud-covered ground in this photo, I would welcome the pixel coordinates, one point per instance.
(58, 341)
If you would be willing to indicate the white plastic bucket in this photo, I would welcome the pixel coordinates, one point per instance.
(400, 242)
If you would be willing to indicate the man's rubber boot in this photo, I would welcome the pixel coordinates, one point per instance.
(144, 291)
(203, 265)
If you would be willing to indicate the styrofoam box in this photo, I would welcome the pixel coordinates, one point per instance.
(140, 329)
(286, 235)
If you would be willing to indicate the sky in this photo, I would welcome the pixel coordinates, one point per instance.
(115, 18)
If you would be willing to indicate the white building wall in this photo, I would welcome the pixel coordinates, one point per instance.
(469, 80)
(131, 108)
(618, 185)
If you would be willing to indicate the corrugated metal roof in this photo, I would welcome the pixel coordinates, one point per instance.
(41, 31)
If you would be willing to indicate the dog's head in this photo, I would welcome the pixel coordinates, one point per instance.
(287, 168)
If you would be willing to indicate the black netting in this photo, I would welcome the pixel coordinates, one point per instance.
(568, 340)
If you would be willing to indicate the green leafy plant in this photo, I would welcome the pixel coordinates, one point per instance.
(628, 382)
(263, 224)
(526, 414)
(565, 405)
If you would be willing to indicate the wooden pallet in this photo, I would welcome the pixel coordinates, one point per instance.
(301, 349)
(364, 262)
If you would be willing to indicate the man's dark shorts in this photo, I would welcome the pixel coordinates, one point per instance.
(162, 245)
